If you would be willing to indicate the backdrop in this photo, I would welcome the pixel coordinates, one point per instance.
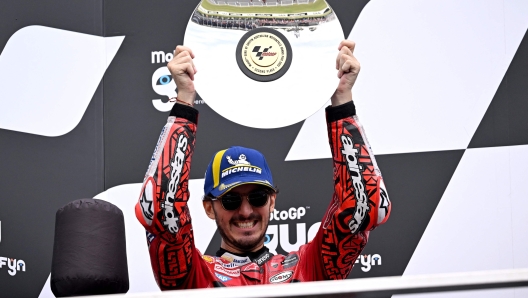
(441, 94)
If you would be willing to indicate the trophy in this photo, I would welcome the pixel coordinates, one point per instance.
(264, 63)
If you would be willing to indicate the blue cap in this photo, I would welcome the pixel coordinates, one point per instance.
(236, 166)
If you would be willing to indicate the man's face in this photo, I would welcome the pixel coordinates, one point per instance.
(243, 229)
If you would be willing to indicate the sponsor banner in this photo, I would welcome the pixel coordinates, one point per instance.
(367, 261)
(13, 265)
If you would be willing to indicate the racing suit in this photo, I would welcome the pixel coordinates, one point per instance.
(358, 205)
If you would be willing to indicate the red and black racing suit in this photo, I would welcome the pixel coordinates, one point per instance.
(358, 205)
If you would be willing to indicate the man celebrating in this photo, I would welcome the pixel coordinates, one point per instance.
(240, 195)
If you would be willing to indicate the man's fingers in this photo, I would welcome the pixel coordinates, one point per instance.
(347, 43)
(350, 62)
(347, 71)
(186, 58)
(183, 68)
(351, 66)
(339, 59)
(189, 69)
(348, 66)
(180, 49)
(180, 61)
(344, 50)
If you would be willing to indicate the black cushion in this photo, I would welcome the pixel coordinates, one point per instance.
(89, 252)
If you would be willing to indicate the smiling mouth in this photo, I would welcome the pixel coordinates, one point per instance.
(246, 224)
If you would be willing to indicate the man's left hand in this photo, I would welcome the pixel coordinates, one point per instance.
(347, 68)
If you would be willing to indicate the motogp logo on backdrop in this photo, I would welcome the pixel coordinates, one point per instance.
(278, 234)
(162, 82)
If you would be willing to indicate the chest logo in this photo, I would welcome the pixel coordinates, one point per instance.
(222, 278)
(208, 259)
(281, 277)
(230, 272)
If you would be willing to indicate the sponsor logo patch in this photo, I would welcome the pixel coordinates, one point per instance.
(281, 277)
(230, 272)
(222, 278)
(251, 267)
(384, 203)
(171, 220)
(146, 199)
(239, 261)
(241, 168)
(150, 237)
(227, 258)
(263, 258)
(351, 154)
(290, 261)
(208, 259)
(230, 265)
(242, 160)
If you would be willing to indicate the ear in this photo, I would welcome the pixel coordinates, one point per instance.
(208, 207)
(272, 201)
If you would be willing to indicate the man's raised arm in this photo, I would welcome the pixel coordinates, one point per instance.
(360, 202)
(162, 208)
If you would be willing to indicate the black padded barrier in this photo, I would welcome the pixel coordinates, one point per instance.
(89, 251)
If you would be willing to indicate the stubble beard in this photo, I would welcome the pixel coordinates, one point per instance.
(244, 244)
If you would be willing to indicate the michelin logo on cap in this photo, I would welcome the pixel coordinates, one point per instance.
(240, 165)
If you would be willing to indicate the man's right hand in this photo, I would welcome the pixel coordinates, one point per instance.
(183, 70)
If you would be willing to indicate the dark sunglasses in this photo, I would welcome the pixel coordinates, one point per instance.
(233, 201)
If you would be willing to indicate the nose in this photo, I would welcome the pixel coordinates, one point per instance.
(245, 209)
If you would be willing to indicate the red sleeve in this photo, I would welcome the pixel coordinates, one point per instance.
(162, 208)
(359, 204)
